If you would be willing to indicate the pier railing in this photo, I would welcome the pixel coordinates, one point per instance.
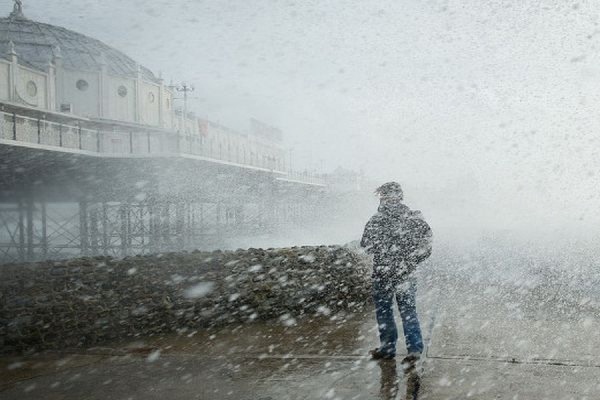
(135, 142)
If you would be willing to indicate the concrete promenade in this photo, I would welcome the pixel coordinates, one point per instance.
(484, 341)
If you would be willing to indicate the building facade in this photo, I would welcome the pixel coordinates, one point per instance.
(50, 71)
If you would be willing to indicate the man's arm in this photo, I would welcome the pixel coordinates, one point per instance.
(369, 236)
(422, 235)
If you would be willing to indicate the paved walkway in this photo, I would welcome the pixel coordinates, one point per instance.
(484, 342)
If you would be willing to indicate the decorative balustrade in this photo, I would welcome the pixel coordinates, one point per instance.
(122, 143)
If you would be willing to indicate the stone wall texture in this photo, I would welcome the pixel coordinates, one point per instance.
(87, 301)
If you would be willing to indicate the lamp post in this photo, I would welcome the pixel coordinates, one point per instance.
(185, 89)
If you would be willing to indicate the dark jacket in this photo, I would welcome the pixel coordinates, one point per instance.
(397, 237)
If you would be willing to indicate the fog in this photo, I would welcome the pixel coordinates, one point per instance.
(486, 112)
(204, 257)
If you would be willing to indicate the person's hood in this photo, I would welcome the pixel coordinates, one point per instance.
(393, 208)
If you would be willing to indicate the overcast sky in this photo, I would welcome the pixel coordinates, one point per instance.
(497, 100)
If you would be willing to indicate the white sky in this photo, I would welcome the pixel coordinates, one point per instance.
(495, 102)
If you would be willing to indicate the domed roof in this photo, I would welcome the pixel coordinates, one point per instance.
(37, 43)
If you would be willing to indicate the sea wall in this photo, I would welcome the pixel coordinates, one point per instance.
(86, 301)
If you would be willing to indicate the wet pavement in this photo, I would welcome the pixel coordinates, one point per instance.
(320, 359)
(487, 341)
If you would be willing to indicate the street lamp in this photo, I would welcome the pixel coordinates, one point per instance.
(184, 88)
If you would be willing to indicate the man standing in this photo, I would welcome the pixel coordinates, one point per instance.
(399, 239)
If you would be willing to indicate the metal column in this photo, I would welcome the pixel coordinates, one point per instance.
(83, 228)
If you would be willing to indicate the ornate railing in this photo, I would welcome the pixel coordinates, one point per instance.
(67, 137)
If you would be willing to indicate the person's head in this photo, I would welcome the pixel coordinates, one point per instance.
(390, 191)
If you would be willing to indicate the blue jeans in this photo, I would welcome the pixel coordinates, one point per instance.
(384, 291)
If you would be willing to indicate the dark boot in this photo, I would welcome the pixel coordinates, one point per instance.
(376, 354)
(410, 361)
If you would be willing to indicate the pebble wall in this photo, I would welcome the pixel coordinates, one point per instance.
(86, 301)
